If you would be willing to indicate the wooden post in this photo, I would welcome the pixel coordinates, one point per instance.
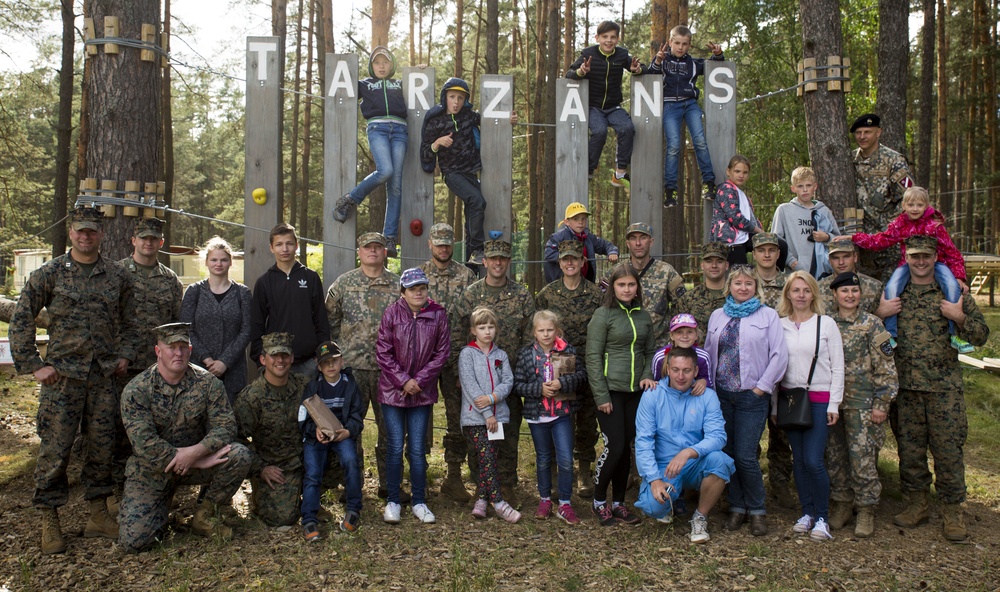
(161, 196)
(265, 62)
(646, 199)
(572, 104)
(110, 30)
(809, 65)
(88, 34)
(833, 71)
(89, 189)
(497, 102)
(720, 122)
(151, 194)
(131, 194)
(148, 36)
(109, 186)
(418, 186)
(340, 161)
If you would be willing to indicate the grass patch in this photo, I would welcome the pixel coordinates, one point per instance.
(20, 462)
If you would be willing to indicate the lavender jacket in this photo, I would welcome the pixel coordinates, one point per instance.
(763, 355)
(411, 346)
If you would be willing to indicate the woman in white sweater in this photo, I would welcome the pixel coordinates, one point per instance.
(801, 311)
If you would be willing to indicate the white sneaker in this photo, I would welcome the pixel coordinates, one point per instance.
(820, 532)
(699, 530)
(391, 514)
(424, 514)
(804, 524)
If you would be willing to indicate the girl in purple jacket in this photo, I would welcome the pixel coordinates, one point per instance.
(413, 345)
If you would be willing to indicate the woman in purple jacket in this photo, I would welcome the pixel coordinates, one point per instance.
(413, 345)
(746, 347)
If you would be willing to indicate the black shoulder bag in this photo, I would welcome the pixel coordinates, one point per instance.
(794, 411)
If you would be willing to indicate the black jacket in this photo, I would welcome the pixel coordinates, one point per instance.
(605, 75)
(351, 415)
(291, 303)
(463, 155)
(679, 75)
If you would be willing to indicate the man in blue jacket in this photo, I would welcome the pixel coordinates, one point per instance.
(678, 443)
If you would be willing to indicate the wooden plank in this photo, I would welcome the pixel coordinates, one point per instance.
(646, 187)
(833, 71)
(340, 162)
(992, 361)
(497, 151)
(572, 102)
(418, 186)
(720, 122)
(265, 59)
(989, 364)
(810, 74)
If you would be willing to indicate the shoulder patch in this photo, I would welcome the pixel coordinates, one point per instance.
(883, 342)
(902, 177)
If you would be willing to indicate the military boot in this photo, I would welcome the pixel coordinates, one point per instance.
(917, 510)
(783, 495)
(865, 524)
(100, 524)
(114, 501)
(52, 538)
(840, 514)
(585, 480)
(206, 522)
(954, 522)
(453, 488)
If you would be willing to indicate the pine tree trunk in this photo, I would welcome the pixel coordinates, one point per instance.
(296, 105)
(168, 141)
(492, 37)
(926, 123)
(307, 139)
(459, 36)
(972, 100)
(942, 111)
(569, 34)
(64, 130)
(893, 71)
(382, 11)
(279, 28)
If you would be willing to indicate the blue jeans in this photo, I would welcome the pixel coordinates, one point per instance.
(466, 187)
(557, 435)
(942, 275)
(598, 121)
(811, 479)
(673, 113)
(745, 414)
(694, 472)
(387, 142)
(411, 421)
(314, 459)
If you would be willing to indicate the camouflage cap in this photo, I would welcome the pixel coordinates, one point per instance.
(715, 249)
(86, 217)
(371, 237)
(277, 343)
(497, 248)
(921, 243)
(765, 238)
(570, 248)
(442, 234)
(840, 244)
(149, 227)
(639, 227)
(173, 333)
(326, 351)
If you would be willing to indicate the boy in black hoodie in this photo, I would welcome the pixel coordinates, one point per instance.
(604, 65)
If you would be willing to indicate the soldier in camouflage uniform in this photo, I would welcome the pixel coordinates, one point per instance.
(514, 307)
(870, 385)
(702, 300)
(183, 432)
(447, 279)
(766, 253)
(267, 415)
(574, 299)
(931, 404)
(158, 294)
(844, 259)
(354, 306)
(662, 286)
(92, 337)
(881, 175)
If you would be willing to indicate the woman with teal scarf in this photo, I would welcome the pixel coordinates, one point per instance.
(746, 347)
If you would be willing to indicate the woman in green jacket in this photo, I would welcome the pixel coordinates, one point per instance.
(620, 345)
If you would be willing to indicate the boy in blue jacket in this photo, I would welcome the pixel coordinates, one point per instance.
(575, 229)
(336, 386)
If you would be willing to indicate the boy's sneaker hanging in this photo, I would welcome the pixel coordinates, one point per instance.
(619, 179)
(963, 346)
(709, 194)
(668, 198)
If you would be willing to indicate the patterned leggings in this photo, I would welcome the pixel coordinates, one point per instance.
(486, 450)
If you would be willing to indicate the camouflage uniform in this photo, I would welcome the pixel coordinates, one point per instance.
(701, 303)
(772, 289)
(870, 382)
(92, 325)
(931, 404)
(871, 293)
(514, 307)
(575, 307)
(267, 416)
(662, 287)
(879, 182)
(446, 287)
(354, 306)
(159, 419)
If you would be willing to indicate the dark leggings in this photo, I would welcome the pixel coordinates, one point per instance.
(486, 451)
(618, 431)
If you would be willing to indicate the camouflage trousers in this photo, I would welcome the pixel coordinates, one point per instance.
(852, 448)
(145, 504)
(507, 459)
(368, 386)
(123, 447)
(454, 440)
(779, 457)
(277, 505)
(934, 421)
(69, 406)
(586, 426)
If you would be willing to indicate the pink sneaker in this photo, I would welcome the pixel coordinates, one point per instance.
(479, 510)
(507, 512)
(566, 513)
(544, 510)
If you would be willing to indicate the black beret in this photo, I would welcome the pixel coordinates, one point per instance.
(866, 120)
(848, 278)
